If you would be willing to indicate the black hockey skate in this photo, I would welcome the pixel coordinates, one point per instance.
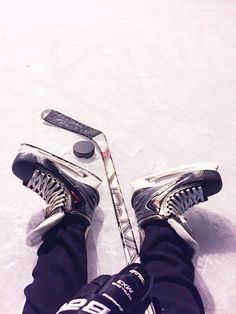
(170, 194)
(65, 187)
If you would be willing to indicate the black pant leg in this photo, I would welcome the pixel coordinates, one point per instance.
(169, 261)
(61, 268)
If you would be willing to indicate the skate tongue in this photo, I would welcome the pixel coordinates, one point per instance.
(181, 228)
(35, 236)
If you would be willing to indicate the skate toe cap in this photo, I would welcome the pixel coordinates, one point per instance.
(23, 166)
(212, 182)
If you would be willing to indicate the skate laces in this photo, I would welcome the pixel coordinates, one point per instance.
(180, 201)
(50, 190)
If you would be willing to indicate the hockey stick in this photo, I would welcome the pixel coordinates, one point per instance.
(126, 232)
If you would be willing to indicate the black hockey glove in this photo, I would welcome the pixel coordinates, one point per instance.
(125, 292)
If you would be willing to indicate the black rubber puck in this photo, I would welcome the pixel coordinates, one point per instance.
(83, 149)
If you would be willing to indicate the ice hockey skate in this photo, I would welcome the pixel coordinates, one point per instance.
(65, 187)
(170, 194)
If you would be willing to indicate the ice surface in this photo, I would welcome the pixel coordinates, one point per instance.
(159, 78)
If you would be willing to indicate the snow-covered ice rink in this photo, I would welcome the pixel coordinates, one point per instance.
(159, 78)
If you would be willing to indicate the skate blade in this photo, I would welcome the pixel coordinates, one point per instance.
(152, 179)
(76, 172)
(35, 236)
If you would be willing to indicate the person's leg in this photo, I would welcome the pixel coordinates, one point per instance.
(160, 202)
(61, 269)
(168, 261)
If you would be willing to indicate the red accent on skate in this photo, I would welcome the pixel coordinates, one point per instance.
(75, 197)
(106, 154)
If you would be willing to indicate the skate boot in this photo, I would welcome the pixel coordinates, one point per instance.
(66, 188)
(170, 194)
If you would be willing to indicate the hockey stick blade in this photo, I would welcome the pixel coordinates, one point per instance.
(59, 119)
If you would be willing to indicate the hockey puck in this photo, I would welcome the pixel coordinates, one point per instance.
(83, 149)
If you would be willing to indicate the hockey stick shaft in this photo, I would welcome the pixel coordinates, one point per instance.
(125, 227)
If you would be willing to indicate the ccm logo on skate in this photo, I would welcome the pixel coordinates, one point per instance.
(92, 307)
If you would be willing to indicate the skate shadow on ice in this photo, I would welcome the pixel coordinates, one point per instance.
(215, 235)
